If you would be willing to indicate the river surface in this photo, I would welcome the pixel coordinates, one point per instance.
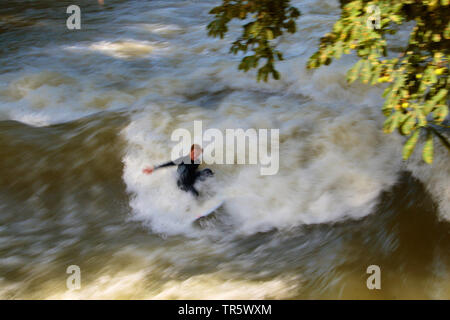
(83, 111)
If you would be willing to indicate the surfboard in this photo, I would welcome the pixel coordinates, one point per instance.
(210, 210)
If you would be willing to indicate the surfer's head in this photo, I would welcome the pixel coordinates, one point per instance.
(196, 151)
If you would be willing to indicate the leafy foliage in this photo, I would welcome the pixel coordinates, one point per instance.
(269, 19)
(417, 95)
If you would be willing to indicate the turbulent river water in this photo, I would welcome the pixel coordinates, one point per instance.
(82, 112)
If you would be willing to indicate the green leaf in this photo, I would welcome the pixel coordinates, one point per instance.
(366, 71)
(339, 50)
(353, 73)
(391, 123)
(439, 96)
(440, 113)
(421, 118)
(409, 146)
(408, 124)
(376, 74)
(428, 107)
(427, 153)
(398, 83)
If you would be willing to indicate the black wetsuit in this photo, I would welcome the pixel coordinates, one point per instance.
(187, 173)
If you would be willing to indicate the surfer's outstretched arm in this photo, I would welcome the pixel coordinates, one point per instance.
(148, 170)
(167, 164)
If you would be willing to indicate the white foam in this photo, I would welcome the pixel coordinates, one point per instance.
(333, 165)
(127, 48)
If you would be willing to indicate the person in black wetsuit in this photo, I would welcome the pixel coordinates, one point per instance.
(187, 170)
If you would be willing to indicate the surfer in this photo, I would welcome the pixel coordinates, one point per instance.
(187, 170)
